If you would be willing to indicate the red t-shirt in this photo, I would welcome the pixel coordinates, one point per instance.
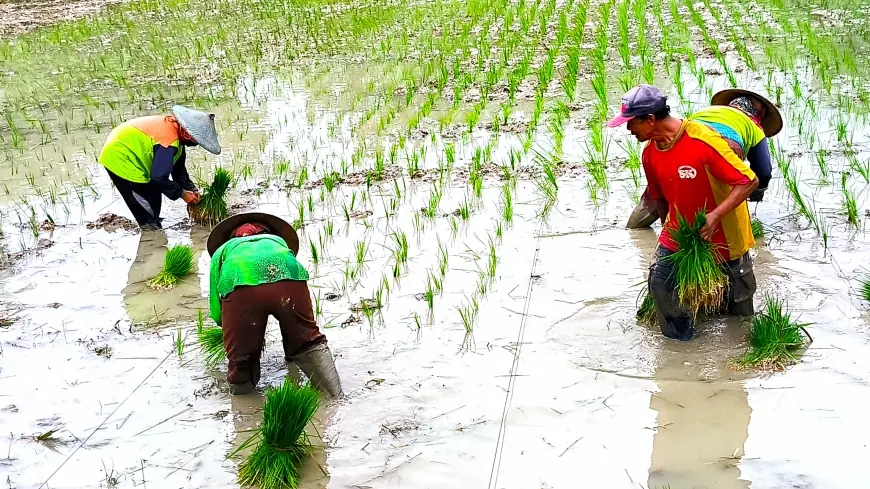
(697, 171)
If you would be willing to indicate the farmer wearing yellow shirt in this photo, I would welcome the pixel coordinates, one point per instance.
(142, 154)
(745, 120)
(254, 275)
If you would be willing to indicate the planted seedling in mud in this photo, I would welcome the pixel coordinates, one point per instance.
(179, 343)
(280, 444)
(757, 228)
(850, 205)
(315, 253)
(211, 342)
(774, 338)
(700, 281)
(177, 263)
(400, 252)
(212, 206)
(442, 259)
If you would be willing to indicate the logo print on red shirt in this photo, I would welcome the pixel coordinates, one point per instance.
(687, 172)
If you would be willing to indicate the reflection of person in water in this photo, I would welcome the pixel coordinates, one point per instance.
(254, 275)
(702, 424)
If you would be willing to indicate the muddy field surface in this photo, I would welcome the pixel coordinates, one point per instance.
(504, 350)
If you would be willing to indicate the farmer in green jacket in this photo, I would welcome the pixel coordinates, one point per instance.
(254, 275)
(142, 154)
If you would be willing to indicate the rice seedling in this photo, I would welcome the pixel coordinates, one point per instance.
(211, 342)
(179, 343)
(701, 283)
(212, 205)
(850, 205)
(400, 252)
(507, 205)
(646, 310)
(280, 444)
(757, 228)
(177, 263)
(862, 168)
(774, 338)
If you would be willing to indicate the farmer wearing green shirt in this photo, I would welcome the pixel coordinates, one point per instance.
(142, 154)
(254, 275)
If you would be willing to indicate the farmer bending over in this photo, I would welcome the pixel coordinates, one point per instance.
(254, 275)
(689, 166)
(142, 154)
(745, 120)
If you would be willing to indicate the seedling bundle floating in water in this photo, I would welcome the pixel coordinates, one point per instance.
(701, 283)
(177, 263)
(212, 206)
(281, 442)
(773, 338)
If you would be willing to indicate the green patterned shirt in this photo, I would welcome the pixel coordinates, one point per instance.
(252, 260)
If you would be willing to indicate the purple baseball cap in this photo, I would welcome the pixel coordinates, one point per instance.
(641, 100)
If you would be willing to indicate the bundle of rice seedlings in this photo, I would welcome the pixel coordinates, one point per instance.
(773, 338)
(177, 263)
(646, 311)
(212, 206)
(757, 228)
(281, 442)
(211, 342)
(701, 283)
(865, 288)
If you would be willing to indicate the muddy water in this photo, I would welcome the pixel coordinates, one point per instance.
(559, 387)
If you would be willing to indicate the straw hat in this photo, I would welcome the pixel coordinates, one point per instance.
(200, 126)
(772, 122)
(223, 232)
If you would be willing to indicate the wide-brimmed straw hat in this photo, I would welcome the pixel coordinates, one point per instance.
(223, 232)
(772, 122)
(200, 126)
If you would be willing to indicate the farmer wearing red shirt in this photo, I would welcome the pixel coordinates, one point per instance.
(688, 165)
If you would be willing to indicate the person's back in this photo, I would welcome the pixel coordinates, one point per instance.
(732, 124)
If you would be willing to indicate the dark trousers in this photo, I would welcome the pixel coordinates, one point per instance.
(678, 322)
(143, 199)
(245, 312)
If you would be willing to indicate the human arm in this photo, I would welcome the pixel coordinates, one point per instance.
(162, 169)
(742, 181)
(759, 162)
(180, 175)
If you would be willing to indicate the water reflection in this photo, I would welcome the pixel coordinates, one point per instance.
(149, 307)
(703, 416)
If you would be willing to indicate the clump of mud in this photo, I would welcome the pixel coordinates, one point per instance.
(112, 222)
(19, 16)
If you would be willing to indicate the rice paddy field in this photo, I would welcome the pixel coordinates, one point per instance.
(461, 209)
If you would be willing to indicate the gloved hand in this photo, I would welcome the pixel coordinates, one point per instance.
(757, 195)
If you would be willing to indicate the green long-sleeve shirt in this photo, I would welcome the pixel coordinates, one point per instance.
(253, 260)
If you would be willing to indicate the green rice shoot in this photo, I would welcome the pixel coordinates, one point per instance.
(757, 228)
(773, 338)
(211, 342)
(177, 263)
(280, 443)
(212, 206)
(701, 283)
(646, 311)
(865, 288)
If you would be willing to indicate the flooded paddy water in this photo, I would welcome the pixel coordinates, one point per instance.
(506, 353)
